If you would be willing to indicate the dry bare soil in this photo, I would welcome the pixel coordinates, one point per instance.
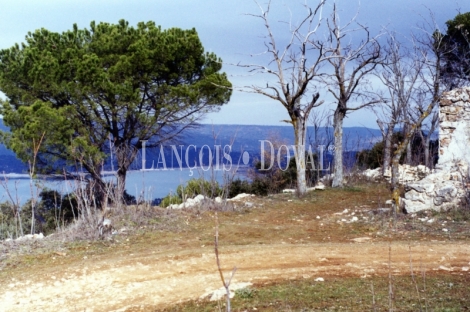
(331, 234)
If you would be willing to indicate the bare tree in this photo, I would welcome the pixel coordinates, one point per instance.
(423, 154)
(351, 64)
(432, 51)
(400, 74)
(225, 282)
(426, 140)
(322, 137)
(293, 74)
(320, 121)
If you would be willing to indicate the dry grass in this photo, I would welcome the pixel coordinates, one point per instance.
(443, 293)
(281, 218)
(321, 216)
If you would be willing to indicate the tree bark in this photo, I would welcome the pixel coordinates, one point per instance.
(425, 144)
(387, 150)
(98, 189)
(427, 161)
(300, 138)
(338, 159)
(409, 156)
(125, 155)
(394, 180)
(121, 185)
(434, 124)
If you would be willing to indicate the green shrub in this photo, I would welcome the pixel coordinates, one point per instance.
(192, 188)
(195, 187)
(170, 200)
(262, 186)
(274, 180)
(9, 226)
(245, 293)
(238, 187)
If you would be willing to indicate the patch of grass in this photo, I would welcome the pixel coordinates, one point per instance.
(245, 293)
(350, 188)
(442, 293)
(454, 214)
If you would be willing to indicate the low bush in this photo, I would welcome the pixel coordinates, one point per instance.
(239, 186)
(195, 187)
(192, 188)
(171, 199)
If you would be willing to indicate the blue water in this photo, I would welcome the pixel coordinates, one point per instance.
(146, 185)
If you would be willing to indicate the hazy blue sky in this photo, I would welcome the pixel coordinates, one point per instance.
(225, 29)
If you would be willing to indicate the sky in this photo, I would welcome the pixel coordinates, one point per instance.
(226, 28)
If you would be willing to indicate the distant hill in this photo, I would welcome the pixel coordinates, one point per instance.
(3, 149)
(242, 137)
(8, 161)
(247, 137)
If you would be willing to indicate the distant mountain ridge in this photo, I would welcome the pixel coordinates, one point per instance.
(242, 138)
(248, 137)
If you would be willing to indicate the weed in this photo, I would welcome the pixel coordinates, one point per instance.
(245, 293)
(353, 189)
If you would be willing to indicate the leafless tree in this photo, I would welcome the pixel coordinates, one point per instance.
(225, 282)
(428, 159)
(432, 50)
(321, 122)
(322, 137)
(352, 64)
(293, 74)
(400, 74)
(429, 126)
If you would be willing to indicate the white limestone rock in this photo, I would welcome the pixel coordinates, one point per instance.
(240, 197)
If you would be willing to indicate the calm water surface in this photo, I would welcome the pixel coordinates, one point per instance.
(141, 184)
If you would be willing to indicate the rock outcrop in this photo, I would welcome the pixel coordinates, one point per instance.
(447, 186)
(200, 200)
(26, 238)
(406, 173)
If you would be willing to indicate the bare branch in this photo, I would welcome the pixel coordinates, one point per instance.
(351, 64)
(294, 73)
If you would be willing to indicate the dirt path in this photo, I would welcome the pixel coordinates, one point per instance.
(150, 278)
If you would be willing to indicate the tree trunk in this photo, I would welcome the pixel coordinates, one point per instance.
(338, 159)
(426, 156)
(121, 186)
(300, 138)
(409, 156)
(33, 219)
(387, 149)
(394, 181)
(427, 160)
(19, 223)
(99, 190)
(399, 151)
(126, 153)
